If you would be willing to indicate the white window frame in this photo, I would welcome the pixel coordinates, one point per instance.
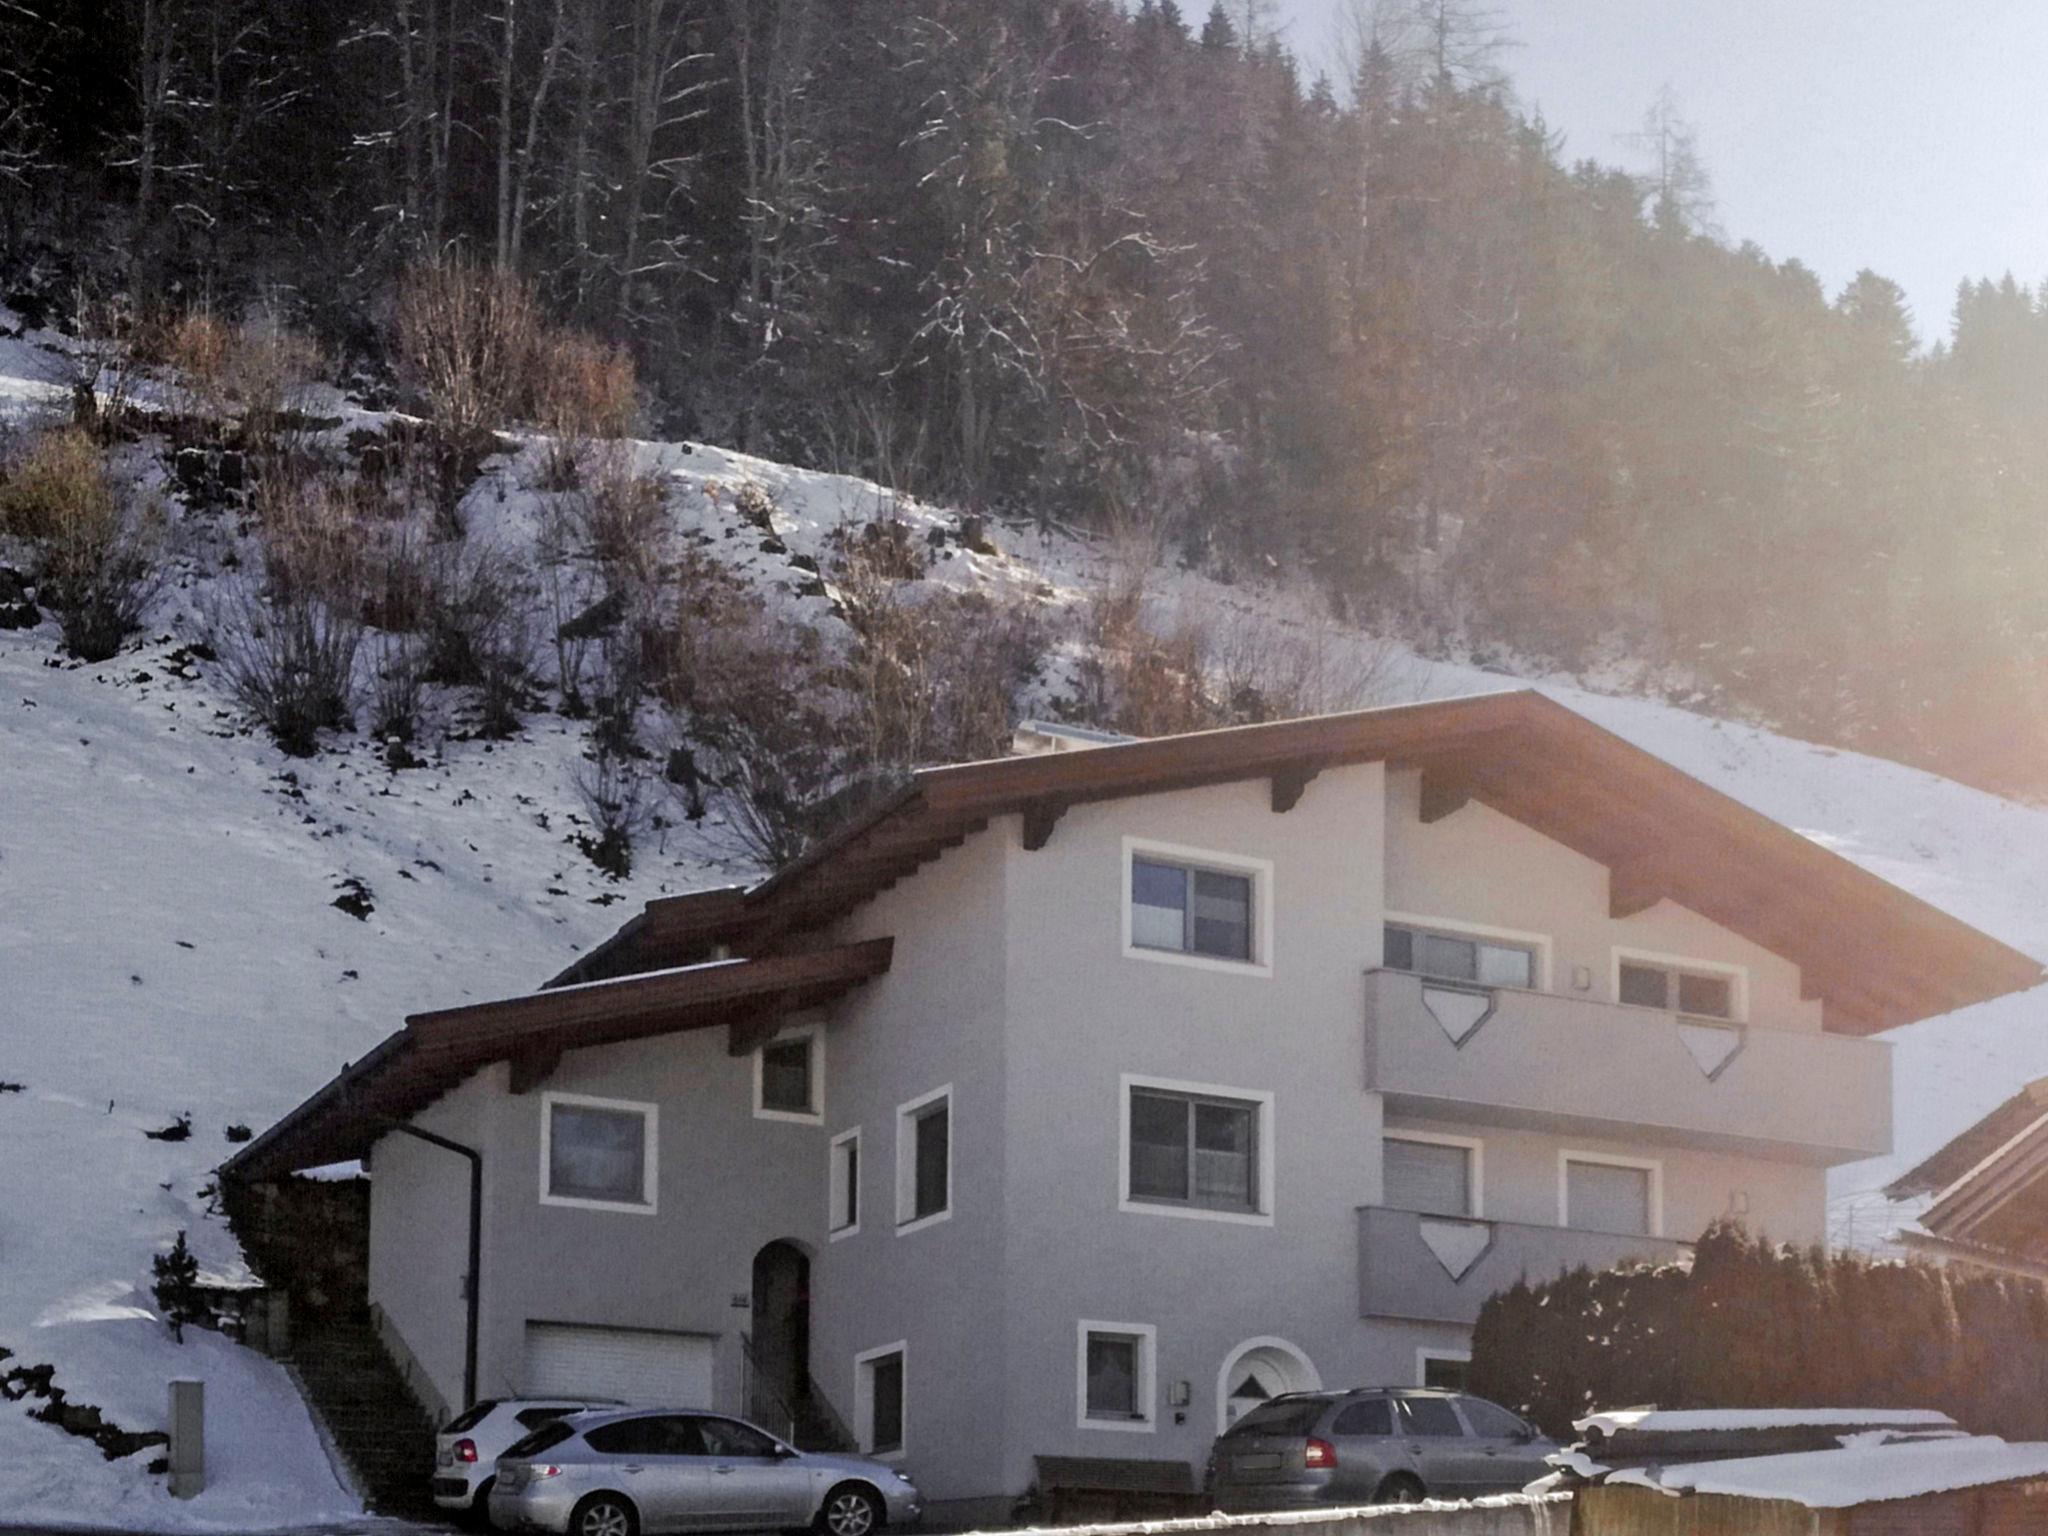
(837, 1186)
(1471, 1144)
(1148, 1376)
(906, 1161)
(1425, 1354)
(1259, 871)
(864, 1400)
(650, 1169)
(1457, 928)
(815, 1033)
(1738, 981)
(1262, 1142)
(1569, 1155)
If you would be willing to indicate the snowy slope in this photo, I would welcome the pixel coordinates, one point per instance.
(168, 943)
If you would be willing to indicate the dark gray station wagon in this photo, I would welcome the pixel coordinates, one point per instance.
(1388, 1445)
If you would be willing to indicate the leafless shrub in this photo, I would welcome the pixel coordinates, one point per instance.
(622, 521)
(1136, 679)
(614, 796)
(290, 661)
(104, 365)
(466, 342)
(1267, 668)
(395, 694)
(315, 534)
(479, 633)
(585, 392)
(95, 561)
(260, 366)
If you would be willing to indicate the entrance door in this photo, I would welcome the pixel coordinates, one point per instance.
(779, 1347)
(1255, 1380)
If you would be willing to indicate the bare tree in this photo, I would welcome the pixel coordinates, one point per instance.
(1680, 191)
(516, 155)
(659, 96)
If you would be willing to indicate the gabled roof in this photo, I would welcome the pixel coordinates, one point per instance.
(435, 1051)
(1876, 955)
(1990, 1184)
(1980, 1141)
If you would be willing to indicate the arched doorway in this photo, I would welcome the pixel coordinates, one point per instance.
(779, 1341)
(1257, 1371)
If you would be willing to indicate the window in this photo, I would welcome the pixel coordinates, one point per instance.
(844, 1180)
(789, 1074)
(724, 1437)
(1708, 994)
(1455, 957)
(1432, 1418)
(1116, 1376)
(597, 1153)
(878, 1400)
(1490, 1421)
(1195, 908)
(655, 1435)
(924, 1160)
(1374, 1416)
(1442, 1368)
(1601, 1194)
(1194, 1150)
(1193, 911)
(1438, 1177)
(546, 1438)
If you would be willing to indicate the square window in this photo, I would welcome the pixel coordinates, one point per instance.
(1189, 1149)
(924, 1160)
(1434, 1178)
(1452, 959)
(1116, 1386)
(1608, 1197)
(786, 1076)
(597, 1152)
(1449, 1372)
(1186, 909)
(879, 1401)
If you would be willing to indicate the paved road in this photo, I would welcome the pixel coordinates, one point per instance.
(364, 1527)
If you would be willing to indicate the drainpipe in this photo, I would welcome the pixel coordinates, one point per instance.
(476, 1244)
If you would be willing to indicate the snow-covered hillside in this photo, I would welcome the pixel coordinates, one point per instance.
(170, 944)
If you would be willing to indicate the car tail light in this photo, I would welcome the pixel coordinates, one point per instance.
(1319, 1453)
(465, 1450)
(547, 1471)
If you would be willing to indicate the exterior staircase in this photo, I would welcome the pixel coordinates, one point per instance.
(370, 1416)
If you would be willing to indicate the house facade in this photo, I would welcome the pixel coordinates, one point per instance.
(1069, 1106)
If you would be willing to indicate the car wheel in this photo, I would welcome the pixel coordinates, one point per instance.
(604, 1514)
(849, 1510)
(1399, 1489)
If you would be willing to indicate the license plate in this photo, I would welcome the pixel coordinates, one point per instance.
(1261, 1461)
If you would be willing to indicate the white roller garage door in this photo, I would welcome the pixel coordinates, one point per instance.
(672, 1370)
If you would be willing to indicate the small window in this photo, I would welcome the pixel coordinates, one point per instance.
(1705, 994)
(1373, 1417)
(597, 1152)
(1454, 957)
(789, 1077)
(1432, 1417)
(1194, 1150)
(1607, 1197)
(878, 1406)
(924, 1160)
(845, 1183)
(1116, 1376)
(1434, 1178)
(1190, 911)
(1490, 1421)
(1448, 1372)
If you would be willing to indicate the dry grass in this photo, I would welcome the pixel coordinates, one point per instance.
(261, 367)
(95, 558)
(57, 488)
(584, 393)
(467, 339)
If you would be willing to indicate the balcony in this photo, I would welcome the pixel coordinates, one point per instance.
(1536, 1061)
(1440, 1270)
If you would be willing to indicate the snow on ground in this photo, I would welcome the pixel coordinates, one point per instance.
(169, 943)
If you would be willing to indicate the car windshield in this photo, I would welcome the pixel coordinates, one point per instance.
(1288, 1416)
(470, 1417)
(545, 1438)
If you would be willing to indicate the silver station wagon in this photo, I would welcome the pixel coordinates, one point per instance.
(1389, 1445)
(641, 1472)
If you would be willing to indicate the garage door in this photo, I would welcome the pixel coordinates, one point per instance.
(672, 1370)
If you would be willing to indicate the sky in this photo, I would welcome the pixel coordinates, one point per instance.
(1908, 136)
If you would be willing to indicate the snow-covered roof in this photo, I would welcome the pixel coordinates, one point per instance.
(1652, 1421)
(1857, 1474)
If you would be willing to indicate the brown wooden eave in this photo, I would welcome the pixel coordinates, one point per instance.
(435, 1051)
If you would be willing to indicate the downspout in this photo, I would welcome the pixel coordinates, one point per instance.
(476, 1244)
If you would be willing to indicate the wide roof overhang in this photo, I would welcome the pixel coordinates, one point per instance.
(1873, 954)
(436, 1051)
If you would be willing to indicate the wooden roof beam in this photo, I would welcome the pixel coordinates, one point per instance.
(1040, 817)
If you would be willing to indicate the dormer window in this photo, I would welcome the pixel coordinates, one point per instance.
(1458, 957)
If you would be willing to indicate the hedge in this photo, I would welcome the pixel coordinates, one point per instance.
(1747, 1324)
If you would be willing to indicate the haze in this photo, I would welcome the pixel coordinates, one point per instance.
(1899, 135)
